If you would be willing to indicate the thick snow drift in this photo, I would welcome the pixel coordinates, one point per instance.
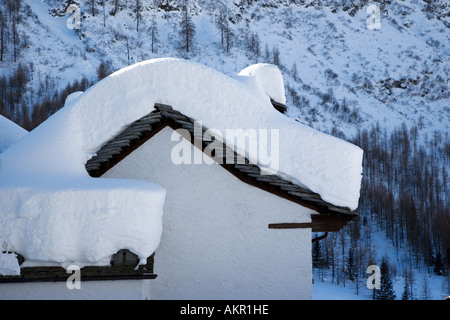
(9, 266)
(51, 210)
(9, 133)
(80, 221)
(267, 78)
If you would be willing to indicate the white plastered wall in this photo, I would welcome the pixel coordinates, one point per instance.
(88, 290)
(216, 243)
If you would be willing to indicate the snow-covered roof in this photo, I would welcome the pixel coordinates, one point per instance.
(51, 210)
(9, 133)
(326, 165)
(144, 129)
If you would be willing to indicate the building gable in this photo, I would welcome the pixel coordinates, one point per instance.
(330, 218)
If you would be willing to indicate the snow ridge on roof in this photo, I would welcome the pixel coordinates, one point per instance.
(9, 133)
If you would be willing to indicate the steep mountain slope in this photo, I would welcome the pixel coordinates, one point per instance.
(339, 73)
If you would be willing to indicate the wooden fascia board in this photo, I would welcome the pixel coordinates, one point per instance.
(319, 223)
(58, 274)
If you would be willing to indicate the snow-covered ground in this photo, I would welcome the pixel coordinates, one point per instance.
(425, 286)
(330, 291)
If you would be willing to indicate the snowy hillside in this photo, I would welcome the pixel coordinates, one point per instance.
(342, 76)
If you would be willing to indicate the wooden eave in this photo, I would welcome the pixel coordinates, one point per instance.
(88, 273)
(319, 223)
(279, 106)
(59, 274)
(329, 218)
